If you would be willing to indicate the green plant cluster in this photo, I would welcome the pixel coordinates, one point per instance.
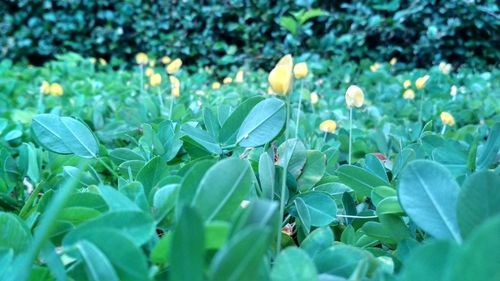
(224, 33)
(100, 180)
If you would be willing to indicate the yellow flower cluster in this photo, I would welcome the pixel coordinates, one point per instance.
(54, 89)
(409, 94)
(328, 126)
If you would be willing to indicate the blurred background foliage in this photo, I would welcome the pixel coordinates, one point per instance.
(253, 32)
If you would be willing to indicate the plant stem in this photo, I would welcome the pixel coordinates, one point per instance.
(324, 139)
(171, 108)
(421, 107)
(298, 108)
(160, 98)
(29, 203)
(443, 130)
(350, 134)
(141, 67)
(107, 167)
(40, 103)
(283, 177)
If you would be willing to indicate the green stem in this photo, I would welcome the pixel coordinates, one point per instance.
(107, 167)
(40, 103)
(283, 177)
(443, 130)
(298, 108)
(160, 99)
(141, 67)
(171, 107)
(421, 108)
(350, 134)
(324, 138)
(29, 203)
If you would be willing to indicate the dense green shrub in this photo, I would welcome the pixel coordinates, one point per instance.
(231, 32)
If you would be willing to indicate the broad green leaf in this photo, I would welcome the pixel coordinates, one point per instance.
(116, 200)
(381, 192)
(390, 230)
(479, 258)
(138, 226)
(292, 155)
(404, 157)
(289, 24)
(428, 193)
(303, 212)
(312, 171)
(97, 264)
(200, 139)
(373, 164)
(64, 135)
(239, 258)
(211, 123)
(479, 199)
(187, 247)
(490, 149)
(321, 206)
(14, 234)
(293, 264)
(389, 205)
(222, 189)
(431, 261)
(232, 124)
(262, 124)
(360, 180)
(340, 260)
(152, 173)
(317, 241)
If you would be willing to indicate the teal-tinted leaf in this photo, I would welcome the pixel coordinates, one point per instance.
(222, 189)
(360, 180)
(13, 233)
(187, 247)
(97, 264)
(200, 139)
(237, 260)
(292, 155)
(211, 123)
(479, 199)
(115, 200)
(317, 241)
(64, 135)
(404, 157)
(293, 264)
(321, 206)
(490, 149)
(152, 173)
(340, 260)
(373, 164)
(389, 205)
(267, 173)
(232, 124)
(312, 171)
(262, 124)
(303, 212)
(428, 193)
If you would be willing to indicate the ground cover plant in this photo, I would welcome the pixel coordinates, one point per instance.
(309, 169)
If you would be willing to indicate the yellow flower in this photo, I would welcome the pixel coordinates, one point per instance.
(354, 96)
(407, 84)
(270, 91)
(280, 78)
(227, 80)
(152, 63)
(445, 68)
(92, 60)
(374, 67)
(149, 72)
(45, 88)
(215, 85)
(102, 61)
(393, 61)
(328, 126)
(141, 58)
(453, 91)
(420, 83)
(166, 60)
(314, 98)
(239, 77)
(56, 89)
(175, 86)
(409, 94)
(155, 80)
(174, 66)
(300, 70)
(447, 118)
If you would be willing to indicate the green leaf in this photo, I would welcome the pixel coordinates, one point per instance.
(239, 258)
(428, 193)
(289, 24)
(152, 173)
(116, 200)
(312, 171)
(479, 200)
(200, 139)
(293, 264)
(303, 212)
(98, 266)
(390, 230)
(374, 165)
(321, 206)
(360, 180)
(262, 124)
(222, 189)
(490, 149)
(64, 135)
(232, 124)
(313, 13)
(14, 234)
(431, 261)
(211, 123)
(267, 173)
(138, 226)
(317, 241)
(292, 155)
(340, 260)
(389, 205)
(479, 258)
(187, 247)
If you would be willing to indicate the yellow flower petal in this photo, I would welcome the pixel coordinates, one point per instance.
(141, 58)
(328, 126)
(174, 66)
(175, 86)
(447, 118)
(354, 96)
(155, 80)
(300, 70)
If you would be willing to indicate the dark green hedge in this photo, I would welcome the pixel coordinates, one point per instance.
(419, 32)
